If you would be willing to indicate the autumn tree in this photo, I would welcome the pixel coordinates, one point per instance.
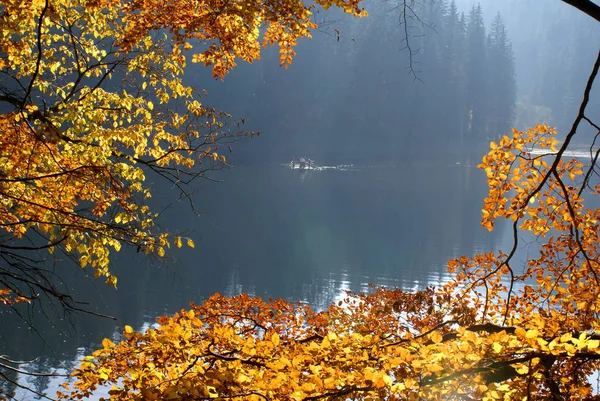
(93, 101)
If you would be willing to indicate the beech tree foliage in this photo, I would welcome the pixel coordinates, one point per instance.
(497, 330)
(93, 101)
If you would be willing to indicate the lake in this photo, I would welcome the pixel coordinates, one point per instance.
(270, 231)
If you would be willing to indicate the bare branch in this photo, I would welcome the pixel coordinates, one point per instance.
(587, 6)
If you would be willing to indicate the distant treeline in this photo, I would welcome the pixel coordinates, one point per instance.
(359, 91)
(555, 48)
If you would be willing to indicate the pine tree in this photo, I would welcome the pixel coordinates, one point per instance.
(502, 85)
(453, 54)
(475, 73)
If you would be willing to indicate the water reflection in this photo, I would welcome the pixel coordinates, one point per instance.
(271, 232)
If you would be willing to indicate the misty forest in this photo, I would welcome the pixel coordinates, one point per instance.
(291, 200)
(454, 82)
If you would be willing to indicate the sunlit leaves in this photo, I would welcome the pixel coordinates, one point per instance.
(241, 345)
(9, 297)
(545, 195)
(230, 31)
(556, 294)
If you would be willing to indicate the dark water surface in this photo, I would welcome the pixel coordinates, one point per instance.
(275, 232)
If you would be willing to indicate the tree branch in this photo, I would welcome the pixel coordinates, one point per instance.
(587, 6)
(39, 55)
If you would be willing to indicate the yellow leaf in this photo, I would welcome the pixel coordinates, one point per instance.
(178, 242)
(566, 337)
(497, 348)
(533, 333)
(150, 106)
(434, 368)
(275, 339)
(212, 392)
(161, 251)
(436, 337)
(522, 370)
(190, 243)
(128, 329)
(593, 344)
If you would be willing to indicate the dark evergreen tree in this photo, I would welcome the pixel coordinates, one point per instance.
(556, 47)
(476, 85)
(355, 100)
(453, 56)
(501, 81)
(432, 68)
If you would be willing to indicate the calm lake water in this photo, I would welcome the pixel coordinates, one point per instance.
(275, 232)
